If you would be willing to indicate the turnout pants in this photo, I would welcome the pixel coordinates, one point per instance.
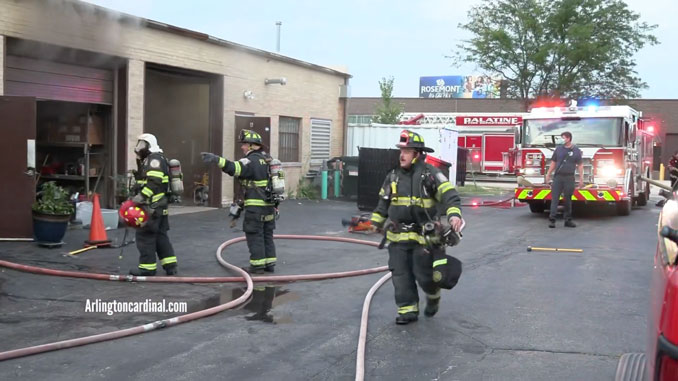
(562, 184)
(409, 262)
(258, 225)
(152, 239)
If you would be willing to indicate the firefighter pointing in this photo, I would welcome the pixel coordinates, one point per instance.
(261, 196)
(148, 208)
(415, 197)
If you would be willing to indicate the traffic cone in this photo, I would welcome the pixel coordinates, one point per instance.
(97, 232)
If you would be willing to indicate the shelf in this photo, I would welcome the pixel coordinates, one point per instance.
(64, 177)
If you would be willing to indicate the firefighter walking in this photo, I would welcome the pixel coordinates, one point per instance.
(413, 196)
(260, 210)
(152, 193)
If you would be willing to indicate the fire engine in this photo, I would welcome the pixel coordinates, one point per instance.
(488, 137)
(617, 151)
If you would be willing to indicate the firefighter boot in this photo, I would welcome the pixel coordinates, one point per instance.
(254, 270)
(552, 224)
(141, 272)
(171, 269)
(432, 305)
(570, 224)
(407, 318)
(269, 269)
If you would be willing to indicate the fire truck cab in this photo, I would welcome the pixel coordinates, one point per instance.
(616, 148)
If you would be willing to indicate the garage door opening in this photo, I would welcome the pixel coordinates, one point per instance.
(178, 110)
(73, 146)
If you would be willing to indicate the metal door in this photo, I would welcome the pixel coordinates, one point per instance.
(17, 154)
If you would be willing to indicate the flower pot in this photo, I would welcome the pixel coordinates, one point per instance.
(50, 228)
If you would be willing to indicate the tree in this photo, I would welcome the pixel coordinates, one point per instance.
(568, 48)
(387, 112)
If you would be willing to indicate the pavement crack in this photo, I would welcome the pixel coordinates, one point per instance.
(555, 352)
(10, 296)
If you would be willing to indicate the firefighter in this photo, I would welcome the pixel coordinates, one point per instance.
(152, 191)
(412, 195)
(260, 211)
(565, 159)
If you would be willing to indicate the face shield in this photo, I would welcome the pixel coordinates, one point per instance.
(142, 147)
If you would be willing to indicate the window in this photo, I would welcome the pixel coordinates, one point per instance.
(320, 140)
(288, 139)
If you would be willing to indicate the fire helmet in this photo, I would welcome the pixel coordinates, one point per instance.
(133, 215)
(409, 139)
(146, 144)
(249, 136)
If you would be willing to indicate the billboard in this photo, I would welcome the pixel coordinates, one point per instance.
(459, 86)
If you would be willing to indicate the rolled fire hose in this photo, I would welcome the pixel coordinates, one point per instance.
(16, 353)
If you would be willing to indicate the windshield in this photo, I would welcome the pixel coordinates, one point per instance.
(585, 131)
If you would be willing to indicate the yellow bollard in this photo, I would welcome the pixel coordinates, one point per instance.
(661, 171)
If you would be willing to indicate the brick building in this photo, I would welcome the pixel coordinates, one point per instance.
(95, 79)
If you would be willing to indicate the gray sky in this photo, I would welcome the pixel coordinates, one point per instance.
(379, 38)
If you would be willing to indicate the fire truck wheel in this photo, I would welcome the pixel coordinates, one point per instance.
(624, 206)
(537, 206)
(643, 197)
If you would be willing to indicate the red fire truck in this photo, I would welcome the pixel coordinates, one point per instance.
(487, 136)
(617, 150)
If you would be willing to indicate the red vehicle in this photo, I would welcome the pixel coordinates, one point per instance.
(617, 151)
(660, 360)
(487, 136)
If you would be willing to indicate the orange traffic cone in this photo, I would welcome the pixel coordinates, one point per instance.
(97, 232)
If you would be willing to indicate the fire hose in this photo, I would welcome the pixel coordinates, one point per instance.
(22, 352)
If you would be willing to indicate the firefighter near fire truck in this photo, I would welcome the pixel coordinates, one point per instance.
(616, 155)
(424, 214)
(263, 186)
(148, 208)
(565, 160)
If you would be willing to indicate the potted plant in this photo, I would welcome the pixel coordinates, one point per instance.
(51, 212)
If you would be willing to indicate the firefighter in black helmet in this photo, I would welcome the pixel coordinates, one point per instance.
(259, 222)
(413, 195)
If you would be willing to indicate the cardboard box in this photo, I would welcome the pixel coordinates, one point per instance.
(95, 130)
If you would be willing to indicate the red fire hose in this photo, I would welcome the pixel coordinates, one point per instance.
(187, 317)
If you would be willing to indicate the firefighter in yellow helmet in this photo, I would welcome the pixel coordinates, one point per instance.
(414, 197)
(260, 209)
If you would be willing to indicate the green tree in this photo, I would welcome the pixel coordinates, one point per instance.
(387, 112)
(568, 48)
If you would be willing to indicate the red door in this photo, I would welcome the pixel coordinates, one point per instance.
(17, 152)
(493, 154)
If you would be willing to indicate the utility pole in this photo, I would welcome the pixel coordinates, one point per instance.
(278, 24)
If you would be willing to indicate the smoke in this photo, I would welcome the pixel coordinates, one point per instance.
(60, 27)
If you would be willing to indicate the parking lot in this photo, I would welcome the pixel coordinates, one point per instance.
(514, 314)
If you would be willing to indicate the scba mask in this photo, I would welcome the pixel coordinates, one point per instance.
(142, 148)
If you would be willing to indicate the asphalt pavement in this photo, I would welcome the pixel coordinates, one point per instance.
(514, 314)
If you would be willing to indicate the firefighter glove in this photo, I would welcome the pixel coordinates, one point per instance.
(138, 199)
(208, 157)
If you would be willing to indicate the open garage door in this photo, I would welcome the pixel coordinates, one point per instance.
(49, 80)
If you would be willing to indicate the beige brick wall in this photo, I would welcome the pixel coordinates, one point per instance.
(309, 93)
(2, 65)
(135, 107)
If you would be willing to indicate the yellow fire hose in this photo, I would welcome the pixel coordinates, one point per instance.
(530, 248)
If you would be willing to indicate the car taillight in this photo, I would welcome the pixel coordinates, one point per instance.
(669, 369)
